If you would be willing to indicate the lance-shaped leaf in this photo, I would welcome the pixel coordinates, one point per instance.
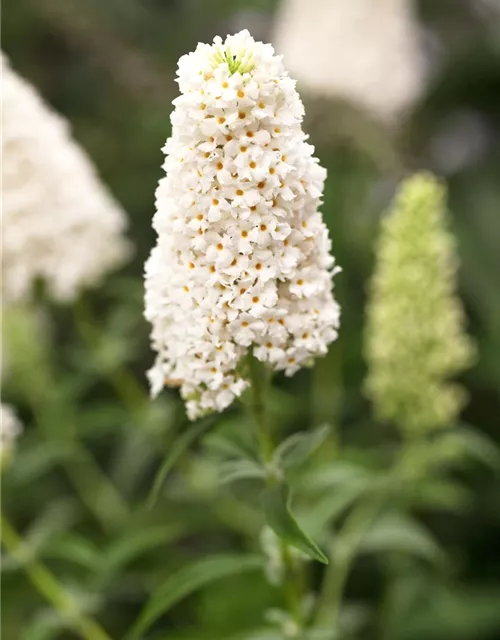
(188, 580)
(402, 533)
(183, 442)
(279, 517)
(296, 449)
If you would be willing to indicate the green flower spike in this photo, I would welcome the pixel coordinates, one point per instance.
(415, 338)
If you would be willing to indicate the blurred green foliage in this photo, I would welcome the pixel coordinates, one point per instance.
(78, 486)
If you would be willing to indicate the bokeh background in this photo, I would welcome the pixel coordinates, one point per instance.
(109, 67)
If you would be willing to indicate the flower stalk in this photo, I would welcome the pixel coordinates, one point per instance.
(259, 383)
(50, 588)
(344, 548)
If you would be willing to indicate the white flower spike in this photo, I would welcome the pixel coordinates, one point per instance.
(242, 259)
(60, 224)
(344, 48)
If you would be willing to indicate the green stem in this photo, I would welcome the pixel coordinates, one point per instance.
(346, 543)
(344, 549)
(50, 588)
(292, 586)
(259, 380)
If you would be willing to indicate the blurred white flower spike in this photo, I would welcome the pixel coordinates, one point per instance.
(242, 258)
(364, 51)
(60, 224)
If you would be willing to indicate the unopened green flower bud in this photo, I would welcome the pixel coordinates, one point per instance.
(415, 338)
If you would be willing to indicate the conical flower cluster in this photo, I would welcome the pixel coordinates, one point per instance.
(60, 224)
(242, 258)
(415, 337)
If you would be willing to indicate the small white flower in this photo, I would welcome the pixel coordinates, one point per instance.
(60, 224)
(274, 551)
(242, 258)
(10, 428)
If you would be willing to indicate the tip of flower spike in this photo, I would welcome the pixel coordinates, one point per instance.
(241, 61)
(421, 189)
(237, 52)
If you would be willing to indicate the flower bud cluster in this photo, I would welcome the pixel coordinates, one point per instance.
(415, 340)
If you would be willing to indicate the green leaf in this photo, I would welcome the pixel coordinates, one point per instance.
(398, 532)
(56, 519)
(280, 519)
(132, 546)
(262, 634)
(46, 625)
(453, 449)
(76, 549)
(188, 580)
(223, 447)
(187, 437)
(40, 459)
(234, 470)
(231, 439)
(327, 508)
(295, 450)
(438, 493)
(11, 564)
(477, 445)
(335, 474)
(451, 613)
